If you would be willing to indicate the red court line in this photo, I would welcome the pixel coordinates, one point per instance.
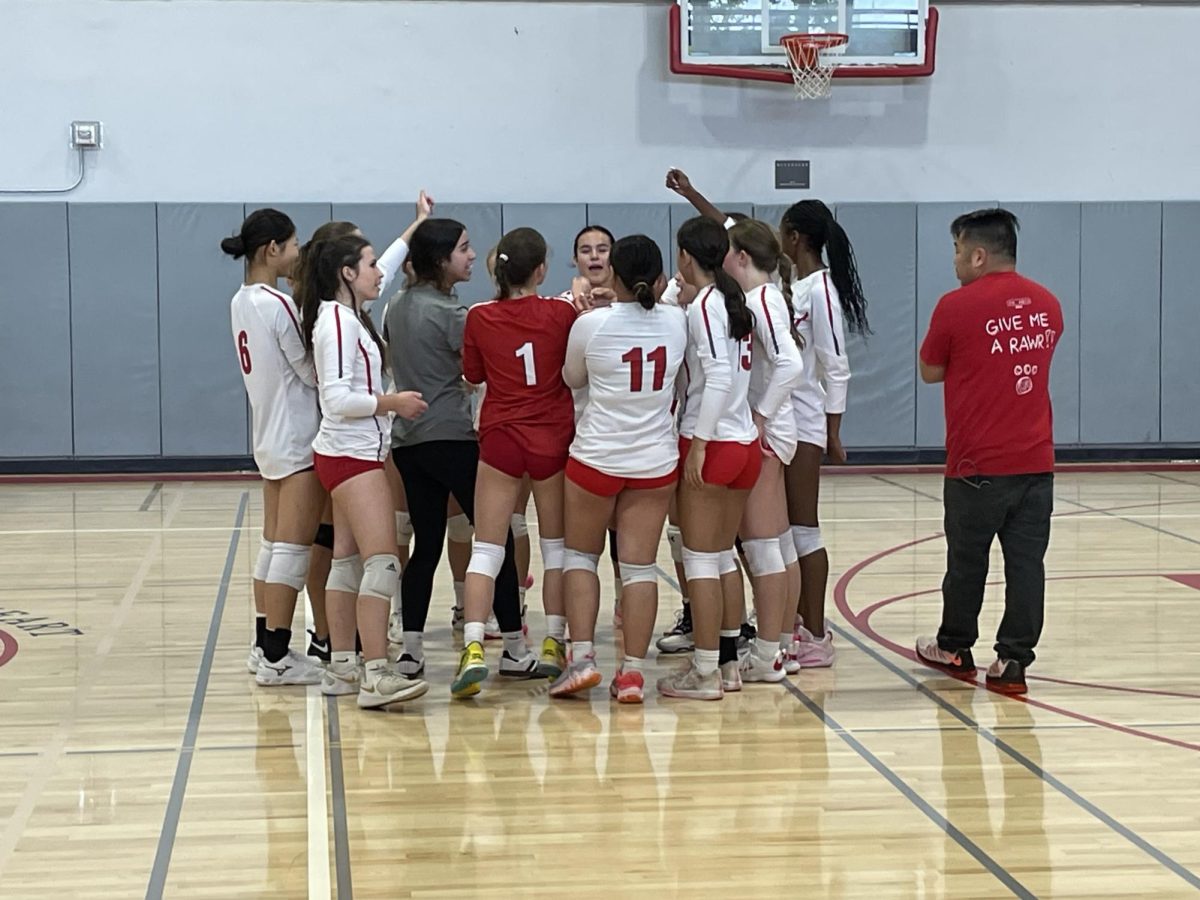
(8, 647)
(129, 477)
(1060, 468)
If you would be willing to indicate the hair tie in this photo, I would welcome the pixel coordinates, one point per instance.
(503, 257)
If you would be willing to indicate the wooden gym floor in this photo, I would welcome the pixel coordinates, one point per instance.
(138, 758)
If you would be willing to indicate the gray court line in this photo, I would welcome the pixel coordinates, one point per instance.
(337, 786)
(158, 486)
(665, 577)
(1112, 515)
(978, 853)
(1020, 758)
(1172, 478)
(166, 838)
(905, 487)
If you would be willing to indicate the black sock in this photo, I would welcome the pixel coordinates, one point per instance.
(687, 613)
(260, 631)
(728, 648)
(275, 645)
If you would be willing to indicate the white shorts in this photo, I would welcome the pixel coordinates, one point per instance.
(811, 424)
(283, 458)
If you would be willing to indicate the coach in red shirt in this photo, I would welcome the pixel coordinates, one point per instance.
(990, 342)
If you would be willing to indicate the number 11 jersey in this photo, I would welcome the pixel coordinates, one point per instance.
(517, 348)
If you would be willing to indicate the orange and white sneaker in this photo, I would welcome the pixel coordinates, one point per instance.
(628, 687)
(581, 675)
(959, 663)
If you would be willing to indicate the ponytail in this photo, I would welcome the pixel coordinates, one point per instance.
(707, 243)
(518, 256)
(319, 276)
(638, 264)
(814, 220)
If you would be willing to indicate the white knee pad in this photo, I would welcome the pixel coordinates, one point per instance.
(520, 527)
(486, 559)
(459, 529)
(578, 561)
(638, 573)
(806, 539)
(289, 565)
(262, 565)
(763, 556)
(728, 564)
(698, 565)
(381, 574)
(787, 547)
(675, 542)
(345, 575)
(553, 550)
(404, 529)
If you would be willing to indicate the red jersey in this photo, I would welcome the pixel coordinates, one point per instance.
(996, 337)
(518, 348)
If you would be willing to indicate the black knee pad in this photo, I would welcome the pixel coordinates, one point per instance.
(324, 536)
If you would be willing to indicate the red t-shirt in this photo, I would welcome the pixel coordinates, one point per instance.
(518, 347)
(996, 336)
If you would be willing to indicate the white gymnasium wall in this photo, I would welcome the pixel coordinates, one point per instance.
(571, 101)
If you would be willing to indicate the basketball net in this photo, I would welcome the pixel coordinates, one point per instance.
(812, 59)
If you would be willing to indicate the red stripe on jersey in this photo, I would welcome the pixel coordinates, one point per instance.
(289, 305)
(762, 298)
(829, 310)
(367, 363)
(708, 328)
(337, 318)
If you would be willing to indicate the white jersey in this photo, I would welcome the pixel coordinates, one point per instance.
(391, 263)
(350, 376)
(626, 358)
(818, 317)
(279, 378)
(777, 369)
(717, 370)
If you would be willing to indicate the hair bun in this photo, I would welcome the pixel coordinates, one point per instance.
(234, 246)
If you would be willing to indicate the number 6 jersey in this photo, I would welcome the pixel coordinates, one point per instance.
(517, 348)
(628, 357)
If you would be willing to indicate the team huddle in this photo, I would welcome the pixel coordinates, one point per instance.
(703, 402)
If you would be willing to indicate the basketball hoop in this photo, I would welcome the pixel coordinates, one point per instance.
(812, 58)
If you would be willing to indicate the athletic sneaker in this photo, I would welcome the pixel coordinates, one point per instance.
(817, 653)
(753, 668)
(688, 684)
(319, 650)
(581, 675)
(458, 618)
(1007, 676)
(383, 687)
(525, 666)
(340, 678)
(254, 659)
(957, 662)
(395, 628)
(491, 629)
(291, 669)
(731, 677)
(746, 635)
(679, 638)
(554, 658)
(628, 687)
(410, 666)
(472, 669)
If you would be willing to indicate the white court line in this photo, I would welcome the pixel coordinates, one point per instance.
(48, 760)
(318, 812)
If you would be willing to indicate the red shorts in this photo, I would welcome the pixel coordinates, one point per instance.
(502, 451)
(335, 470)
(727, 463)
(596, 482)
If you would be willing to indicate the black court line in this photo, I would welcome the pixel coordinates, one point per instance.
(1112, 515)
(154, 491)
(978, 853)
(337, 783)
(166, 838)
(905, 487)
(1020, 758)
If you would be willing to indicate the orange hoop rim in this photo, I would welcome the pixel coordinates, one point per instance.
(803, 48)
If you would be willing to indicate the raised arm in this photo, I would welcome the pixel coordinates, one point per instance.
(682, 185)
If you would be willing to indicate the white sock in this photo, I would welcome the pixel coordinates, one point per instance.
(396, 599)
(785, 640)
(414, 644)
(473, 631)
(556, 627)
(582, 649)
(514, 644)
(343, 656)
(706, 661)
(459, 587)
(375, 668)
(765, 649)
(521, 591)
(633, 664)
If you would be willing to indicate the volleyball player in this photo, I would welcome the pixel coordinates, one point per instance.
(280, 382)
(340, 277)
(624, 460)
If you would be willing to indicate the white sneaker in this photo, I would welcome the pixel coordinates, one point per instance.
(410, 666)
(383, 687)
(817, 653)
(491, 629)
(395, 628)
(754, 668)
(731, 678)
(254, 659)
(294, 668)
(791, 660)
(340, 679)
(523, 667)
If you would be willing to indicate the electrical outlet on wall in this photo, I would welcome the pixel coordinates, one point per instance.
(85, 136)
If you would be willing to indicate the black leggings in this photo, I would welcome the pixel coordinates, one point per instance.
(431, 472)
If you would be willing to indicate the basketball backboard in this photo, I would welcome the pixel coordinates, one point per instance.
(741, 38)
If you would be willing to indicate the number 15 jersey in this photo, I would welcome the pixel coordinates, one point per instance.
(517, 348)
(628, 357)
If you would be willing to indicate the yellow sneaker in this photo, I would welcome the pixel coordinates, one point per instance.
(472, 669)
(554, 658)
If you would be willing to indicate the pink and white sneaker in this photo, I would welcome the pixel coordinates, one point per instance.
(811, 652)
(628, 687)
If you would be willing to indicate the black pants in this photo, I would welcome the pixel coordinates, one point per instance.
(1017, 508)
(431, 473)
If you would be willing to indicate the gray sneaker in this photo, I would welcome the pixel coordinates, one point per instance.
(384, 686)
(340, 678)
(689, 684)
